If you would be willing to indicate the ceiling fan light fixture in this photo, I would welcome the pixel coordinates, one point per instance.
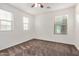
(40, 5)
(37, 5)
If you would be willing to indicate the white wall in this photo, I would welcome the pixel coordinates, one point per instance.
(17, 35)
(77, 25)
(45, 26)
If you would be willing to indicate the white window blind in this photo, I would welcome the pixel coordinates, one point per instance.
(25, 23)
(5, 20)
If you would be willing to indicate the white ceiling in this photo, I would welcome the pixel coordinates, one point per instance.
(54, 6)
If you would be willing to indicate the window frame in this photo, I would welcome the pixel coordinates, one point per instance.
(66, 25)
(26, 24)
(6, 20)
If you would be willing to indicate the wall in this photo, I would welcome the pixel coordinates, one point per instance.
(45, 26)
(77, 25)
(17, 35)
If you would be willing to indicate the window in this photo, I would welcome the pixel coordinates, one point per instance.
(60, 26)
(25, 23)
(5, 20)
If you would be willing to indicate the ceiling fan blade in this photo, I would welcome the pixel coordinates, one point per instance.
(33, 5)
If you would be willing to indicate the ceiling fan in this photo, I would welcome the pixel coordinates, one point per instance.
(39, 5)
